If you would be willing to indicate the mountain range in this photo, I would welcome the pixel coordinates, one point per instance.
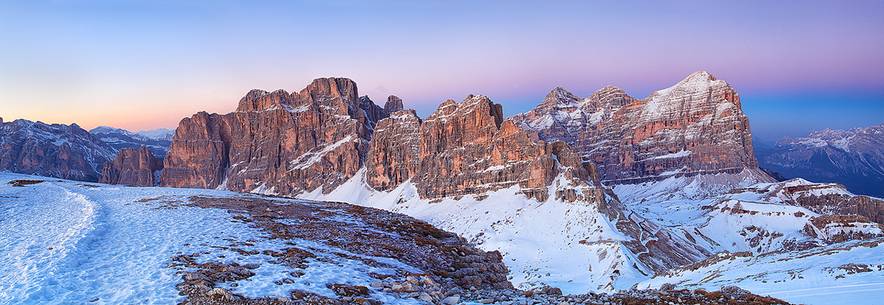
(852, 157)
(596, 194)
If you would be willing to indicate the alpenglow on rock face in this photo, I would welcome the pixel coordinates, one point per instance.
(56, 150)
(468, 149)
(694, 127)
(276, 142)
(133, 167)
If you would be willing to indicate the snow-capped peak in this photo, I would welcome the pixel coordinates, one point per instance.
(158, 133)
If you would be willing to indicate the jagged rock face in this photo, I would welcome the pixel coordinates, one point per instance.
(63, 151)
(853, 157)
(393, 156)
(276, 142)
(694, 127)
(132, 167)
(468, 149)
(394, 103)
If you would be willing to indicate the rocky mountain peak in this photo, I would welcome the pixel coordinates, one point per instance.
(478, 109)
(316, 138)
(393, 104)
(559, 97)
(259, 100)
(693, 127)
(701, 75)
(468, 148)
(331, 88)
(700, 82)
(610, 97)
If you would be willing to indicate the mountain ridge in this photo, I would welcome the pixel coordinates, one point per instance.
(852, 157)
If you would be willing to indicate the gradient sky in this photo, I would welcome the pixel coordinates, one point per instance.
(799, 65)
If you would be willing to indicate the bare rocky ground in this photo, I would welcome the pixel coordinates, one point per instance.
(453, 272)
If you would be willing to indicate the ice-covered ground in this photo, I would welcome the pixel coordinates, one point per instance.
(66, 242)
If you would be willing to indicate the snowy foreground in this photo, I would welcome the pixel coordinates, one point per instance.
(66, 242)
(576, 248)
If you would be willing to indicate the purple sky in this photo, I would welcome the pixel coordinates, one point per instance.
(799, 65)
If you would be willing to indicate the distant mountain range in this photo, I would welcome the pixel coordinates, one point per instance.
(55, 150)
(157, 140)
(852, 157)
(70, 152)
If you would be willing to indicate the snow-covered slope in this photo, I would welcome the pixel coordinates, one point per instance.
(65, 242)
(844, 273)
(770, 238)
(576, 247)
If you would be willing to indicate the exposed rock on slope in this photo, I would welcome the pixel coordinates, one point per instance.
(133, 167)
(468, 149)
(694, 127)
(853, 157)
(63, 151)
(120, 139)
(276, 142)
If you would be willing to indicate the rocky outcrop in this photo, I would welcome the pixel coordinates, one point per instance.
(822, 198)
(840, 228)
(469, 149)
(842, 203)
(276, 142)
(853, 157)
(133, 167)
(694, 127)
(56, 150)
